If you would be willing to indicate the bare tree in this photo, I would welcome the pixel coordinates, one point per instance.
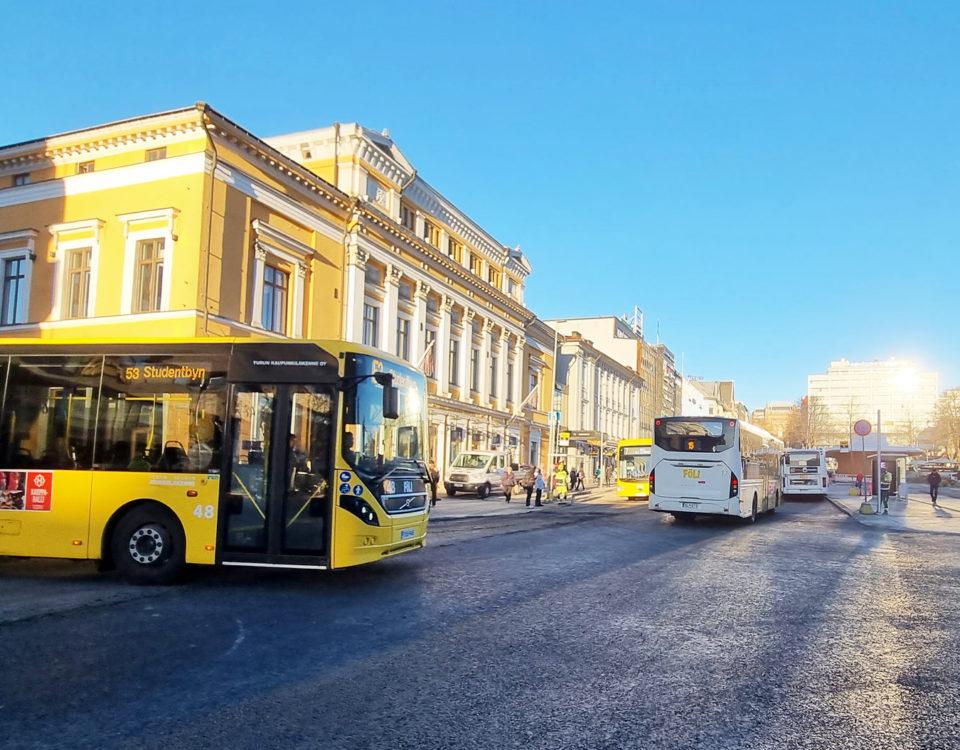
(947, 423)
(809, 424)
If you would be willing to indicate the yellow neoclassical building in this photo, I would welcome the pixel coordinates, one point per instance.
(183, 223)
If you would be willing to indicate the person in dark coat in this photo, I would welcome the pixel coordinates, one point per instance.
(934, 479)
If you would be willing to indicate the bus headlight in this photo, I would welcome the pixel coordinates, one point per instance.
(360, 508)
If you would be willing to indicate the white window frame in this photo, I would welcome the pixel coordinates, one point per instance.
(26, 240)
(378, 306)
(131, 237)
(60, 269)
(271, 243)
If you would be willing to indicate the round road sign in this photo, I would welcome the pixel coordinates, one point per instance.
(862, 427)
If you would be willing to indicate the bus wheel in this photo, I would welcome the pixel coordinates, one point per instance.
(683, 517)
(148, 546)
(483, 490)
(752, 518)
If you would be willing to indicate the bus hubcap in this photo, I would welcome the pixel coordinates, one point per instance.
(146, 545)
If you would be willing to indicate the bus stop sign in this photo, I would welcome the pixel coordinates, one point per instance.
(862, 427)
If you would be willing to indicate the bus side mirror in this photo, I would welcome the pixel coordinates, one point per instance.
(391, 402)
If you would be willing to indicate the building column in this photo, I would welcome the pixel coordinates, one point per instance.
(300, 280)
(442, 347)
(418, 224)
(486, 336)
(466, 348)
(419, 324)
(391, 288)
(355, 291)
(518, 396)
(259, 261)
(502, 375)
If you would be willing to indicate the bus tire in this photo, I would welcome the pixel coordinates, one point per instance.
(752, 518)
(148, 546)
(682, 517)
(483, 491)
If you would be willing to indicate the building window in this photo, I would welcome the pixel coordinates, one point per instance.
(407, 217)
(276, 285)
(156, 154)
(510, 382)
(453, 366)
(474, 369)
(453, 249)
(403, 338)
(476, 264)
(371, 325)
(376, 192)
(372, 276)
(493, 276)
(76, 292)
(21, 179)
(85, 167)
(148, 276)
(493, 376)
(14, 291)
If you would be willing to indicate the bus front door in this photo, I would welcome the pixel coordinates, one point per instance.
(276, 506)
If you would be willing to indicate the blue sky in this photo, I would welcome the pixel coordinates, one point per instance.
(776, 183)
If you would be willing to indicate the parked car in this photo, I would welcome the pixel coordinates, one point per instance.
(476, 471)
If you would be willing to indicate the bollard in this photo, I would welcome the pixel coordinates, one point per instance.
(866, 507)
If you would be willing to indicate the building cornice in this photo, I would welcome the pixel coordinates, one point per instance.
(378, 223)
(104, 140)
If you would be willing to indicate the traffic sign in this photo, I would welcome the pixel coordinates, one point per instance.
(862, 427)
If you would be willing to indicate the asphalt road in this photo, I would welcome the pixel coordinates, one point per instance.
(588, 628)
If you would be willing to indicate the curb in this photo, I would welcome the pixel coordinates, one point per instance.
(841, 507)
(583, 497)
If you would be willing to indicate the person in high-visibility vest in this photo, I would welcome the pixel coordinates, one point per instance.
(560, 479)
(886, 479)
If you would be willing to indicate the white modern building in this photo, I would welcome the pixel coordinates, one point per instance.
(905, 395)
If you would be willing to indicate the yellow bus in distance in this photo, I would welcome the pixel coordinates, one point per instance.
(148, 455)
(633, 468)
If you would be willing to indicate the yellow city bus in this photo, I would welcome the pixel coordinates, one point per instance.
(151, 454)
(633, 468)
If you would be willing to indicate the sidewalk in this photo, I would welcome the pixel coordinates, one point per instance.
(470, 506)
(916, 513)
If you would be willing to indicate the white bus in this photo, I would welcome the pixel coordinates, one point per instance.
(713, 466)
(804, 471)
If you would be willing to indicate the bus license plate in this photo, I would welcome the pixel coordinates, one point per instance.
(688, 505)
(406, 533)
(691, 473)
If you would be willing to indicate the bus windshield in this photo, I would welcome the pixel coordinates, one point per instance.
(372, 445)
(633, 462)
(694, 435)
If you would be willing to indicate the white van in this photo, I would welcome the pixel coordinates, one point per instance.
(476, 471)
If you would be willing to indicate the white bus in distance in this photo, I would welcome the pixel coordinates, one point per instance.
(713, 466)
(804, 471)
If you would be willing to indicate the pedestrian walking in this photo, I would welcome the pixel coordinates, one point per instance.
(859, 480)
(580, 476)
(538, 486)
(934, 479)
(507, 484)
(434, 481)
(560, 482)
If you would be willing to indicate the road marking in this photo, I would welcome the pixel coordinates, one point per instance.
(241, 635)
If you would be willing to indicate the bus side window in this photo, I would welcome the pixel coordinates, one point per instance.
(161, 414)
(49, 412)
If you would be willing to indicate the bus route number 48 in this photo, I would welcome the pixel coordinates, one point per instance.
(203, 511)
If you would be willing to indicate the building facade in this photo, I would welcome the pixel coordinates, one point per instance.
(623, 341)
(184, 224)
(775, 417)
(599, 402)
(905, 395)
